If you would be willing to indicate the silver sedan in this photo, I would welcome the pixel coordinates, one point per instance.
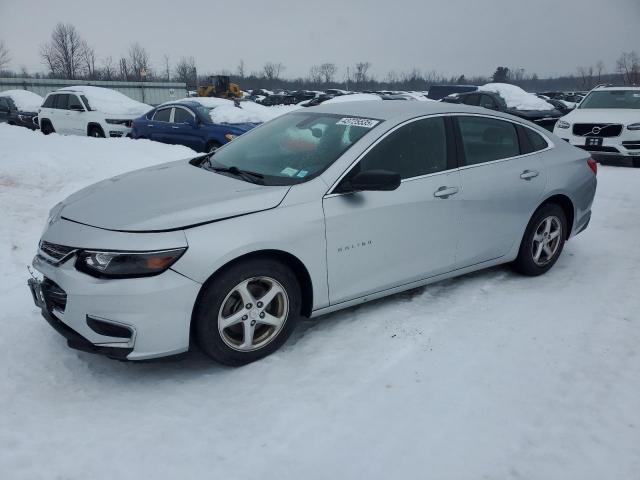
(312, 212)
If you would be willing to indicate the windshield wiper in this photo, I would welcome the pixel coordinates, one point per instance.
(245, 174)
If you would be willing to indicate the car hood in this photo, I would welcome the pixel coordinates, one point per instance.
(625, 116)
(167, 197)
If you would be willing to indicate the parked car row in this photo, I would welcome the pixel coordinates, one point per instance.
(20, 107)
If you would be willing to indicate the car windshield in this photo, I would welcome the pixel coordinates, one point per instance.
(612, 99)
(292, 148)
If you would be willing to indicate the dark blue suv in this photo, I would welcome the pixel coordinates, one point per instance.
(186, 123)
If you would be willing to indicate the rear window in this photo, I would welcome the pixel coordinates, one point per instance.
(162, 115)
(537, 141)
(50, 101)
(487, 139)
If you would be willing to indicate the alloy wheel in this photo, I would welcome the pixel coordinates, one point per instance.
(253, 313)
(546, 240)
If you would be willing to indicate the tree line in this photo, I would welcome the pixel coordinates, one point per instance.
(68, 56)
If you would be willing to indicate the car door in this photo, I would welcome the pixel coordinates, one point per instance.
(160, 125)
(77, 121)
(501, 187)
(380, 240)
(184, 129)
(59, 114)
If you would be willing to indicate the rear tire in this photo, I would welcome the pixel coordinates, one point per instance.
(232, 325)
(46, 127)
(96, 132)
(635, 162)
(543, 241)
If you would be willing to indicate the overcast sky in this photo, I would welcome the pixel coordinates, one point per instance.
(449, 36)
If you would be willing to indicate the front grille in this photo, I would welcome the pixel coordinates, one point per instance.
(594, 148)
(597, 129)
(54, 253)
(113, 133)
(632, 145)
(54, 296)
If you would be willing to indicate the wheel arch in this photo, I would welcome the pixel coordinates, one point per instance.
(568, 207)
(91, 125)
(294, 263)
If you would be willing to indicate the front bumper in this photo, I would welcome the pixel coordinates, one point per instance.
(624, 145)
(155, 310)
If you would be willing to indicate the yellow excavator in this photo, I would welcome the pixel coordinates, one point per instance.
(220, 86)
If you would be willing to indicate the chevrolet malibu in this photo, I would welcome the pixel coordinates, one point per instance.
(313, 212)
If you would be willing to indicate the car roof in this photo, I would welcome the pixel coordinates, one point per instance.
(186, 103)
(611, 87)
(391, 110)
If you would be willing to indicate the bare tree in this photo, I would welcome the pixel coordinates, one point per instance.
(315, 75)
(600, 70)
(63, 54)
(628, 65)
(123, 66)
(88, 58)
(108, 69)
(273, 70)
(5, 58)
(360, 72)
(328, 71)
(186, 71)
(586, 76)
(241, 69)
(138, 62)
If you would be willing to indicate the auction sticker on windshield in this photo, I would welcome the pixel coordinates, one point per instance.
(358, 122)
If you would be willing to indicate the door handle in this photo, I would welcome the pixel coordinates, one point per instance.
(529, 174)
(175, 128)
(445, 192)
(150, 125)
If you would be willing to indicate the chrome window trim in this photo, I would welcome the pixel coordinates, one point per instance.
(550, 145)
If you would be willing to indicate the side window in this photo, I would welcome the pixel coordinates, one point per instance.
(537, 141)
(418, 148)
(487, 139)
(4, 105)
(62, 102)
(50, 102)
(74, 103)
(162, 115)
(487, 102)
(472, 99)
(180, 115)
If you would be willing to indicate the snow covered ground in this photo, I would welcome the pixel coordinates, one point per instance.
(488, 376)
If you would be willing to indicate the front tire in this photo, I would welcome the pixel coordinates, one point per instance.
(247, 311)
(543, 241)
(96, 132)
(212, 147)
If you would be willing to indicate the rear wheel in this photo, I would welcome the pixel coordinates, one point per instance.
(543, 241)
(247, 311)
(96, 132)
(635, 162)
(46, 127)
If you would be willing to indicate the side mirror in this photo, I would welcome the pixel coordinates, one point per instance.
(375, 180)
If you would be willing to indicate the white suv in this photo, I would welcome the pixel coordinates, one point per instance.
(606, 123)
(92, 111)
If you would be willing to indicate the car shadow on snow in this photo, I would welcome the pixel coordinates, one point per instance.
(440, 296)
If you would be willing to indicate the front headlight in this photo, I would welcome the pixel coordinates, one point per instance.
(103, 264)
(633, 126)
(563, 124)
(229, 136)
(115, 121)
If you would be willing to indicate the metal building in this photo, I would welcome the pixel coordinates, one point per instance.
(151, 93)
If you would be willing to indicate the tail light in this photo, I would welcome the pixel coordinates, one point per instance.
(593, 165)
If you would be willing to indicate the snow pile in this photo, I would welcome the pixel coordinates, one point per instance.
(516, 97)
(110, 101)
(354, 97)
(25, 101)
(225, 111)
(491, 375)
